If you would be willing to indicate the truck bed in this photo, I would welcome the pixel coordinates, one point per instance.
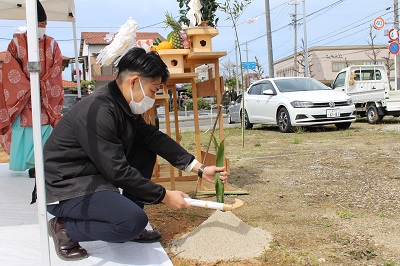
(363, 91)
(393, 101)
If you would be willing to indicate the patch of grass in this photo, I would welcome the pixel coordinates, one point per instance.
(296, 141)
(390, 263)
(344, 241)
(362, 254)
(193, 216)
(348, 133)
(347, 214)
(282, 255)
(307, 259)
(299, 130)
(382, 215)
(326, 225)
(257, 144)
(393, 132)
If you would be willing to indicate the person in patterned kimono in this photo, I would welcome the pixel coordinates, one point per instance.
(16, 136)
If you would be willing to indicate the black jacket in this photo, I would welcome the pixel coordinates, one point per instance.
(86, 150)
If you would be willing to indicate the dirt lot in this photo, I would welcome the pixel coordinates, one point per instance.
(327, 197)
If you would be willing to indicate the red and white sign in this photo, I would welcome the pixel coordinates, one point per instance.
(379, 23)
(393, 35)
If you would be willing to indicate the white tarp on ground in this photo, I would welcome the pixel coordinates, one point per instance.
(20, 236)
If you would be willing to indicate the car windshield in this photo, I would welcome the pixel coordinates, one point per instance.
(69, 101)
(299, 84)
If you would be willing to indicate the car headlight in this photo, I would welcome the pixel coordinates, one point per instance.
(350, 101)
(302, 104)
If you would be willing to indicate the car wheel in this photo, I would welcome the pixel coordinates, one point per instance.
(343, 126)
(229, 118)
(284, 124)
(372, 115)
(247, 124)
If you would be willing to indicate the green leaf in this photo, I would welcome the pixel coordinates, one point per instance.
(215, 143)
(220, 154)
(169, 36)
(219, 187)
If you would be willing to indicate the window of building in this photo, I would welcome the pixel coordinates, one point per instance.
(367, 63)
(337, 66)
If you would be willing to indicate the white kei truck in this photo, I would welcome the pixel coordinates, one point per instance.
(369, 87)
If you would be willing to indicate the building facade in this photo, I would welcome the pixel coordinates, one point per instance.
(326, 61)
(91, 45)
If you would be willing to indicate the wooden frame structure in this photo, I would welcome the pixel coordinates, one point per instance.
(191, 60)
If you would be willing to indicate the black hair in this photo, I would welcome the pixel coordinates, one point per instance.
(147, 65)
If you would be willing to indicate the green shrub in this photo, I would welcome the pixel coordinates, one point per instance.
(201, 103)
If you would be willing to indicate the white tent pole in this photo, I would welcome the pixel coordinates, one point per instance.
(34, 69)
(78, 75)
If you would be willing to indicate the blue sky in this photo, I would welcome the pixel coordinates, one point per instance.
(330, 22)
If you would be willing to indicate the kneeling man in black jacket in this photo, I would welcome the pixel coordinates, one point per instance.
(102, 144)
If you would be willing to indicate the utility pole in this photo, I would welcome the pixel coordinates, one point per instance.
(294, 19)
(396, 57)
(269, 39)
(306, 70)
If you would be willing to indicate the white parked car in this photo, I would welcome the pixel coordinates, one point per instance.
(233, 111)
(296, 101)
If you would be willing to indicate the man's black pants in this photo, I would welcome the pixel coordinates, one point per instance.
(107, 215)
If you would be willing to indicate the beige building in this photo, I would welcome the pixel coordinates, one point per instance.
(326, 61)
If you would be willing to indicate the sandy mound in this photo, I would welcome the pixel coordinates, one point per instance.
(222, 236)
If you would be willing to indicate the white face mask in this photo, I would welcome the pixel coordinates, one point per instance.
(41, 32)
(144, 105)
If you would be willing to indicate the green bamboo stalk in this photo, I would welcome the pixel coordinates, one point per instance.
(219, 187)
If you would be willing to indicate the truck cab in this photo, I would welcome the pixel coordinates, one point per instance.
(368, 86)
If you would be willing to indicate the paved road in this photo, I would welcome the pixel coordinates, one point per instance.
(186, 119)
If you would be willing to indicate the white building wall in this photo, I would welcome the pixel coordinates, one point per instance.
(327, 61)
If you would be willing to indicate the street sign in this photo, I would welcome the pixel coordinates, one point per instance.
(394, 47)
(248, 65)
(379, 23)
(393, 35)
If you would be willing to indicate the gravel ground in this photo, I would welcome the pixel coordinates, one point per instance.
(330, 197)
(326, 197)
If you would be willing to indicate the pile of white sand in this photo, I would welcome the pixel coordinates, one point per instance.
(223, 236)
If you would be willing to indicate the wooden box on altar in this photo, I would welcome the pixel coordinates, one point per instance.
(200, 38)
(174, 59)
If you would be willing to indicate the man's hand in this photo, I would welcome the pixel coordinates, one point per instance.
(174, 199)
(210, 171)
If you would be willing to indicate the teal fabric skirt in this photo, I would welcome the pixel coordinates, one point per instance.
(21, 153)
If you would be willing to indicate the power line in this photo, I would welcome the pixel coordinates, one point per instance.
(341, 32)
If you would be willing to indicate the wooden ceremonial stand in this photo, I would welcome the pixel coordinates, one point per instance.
(182, 64)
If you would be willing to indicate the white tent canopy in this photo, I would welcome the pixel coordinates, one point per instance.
(56, 10)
